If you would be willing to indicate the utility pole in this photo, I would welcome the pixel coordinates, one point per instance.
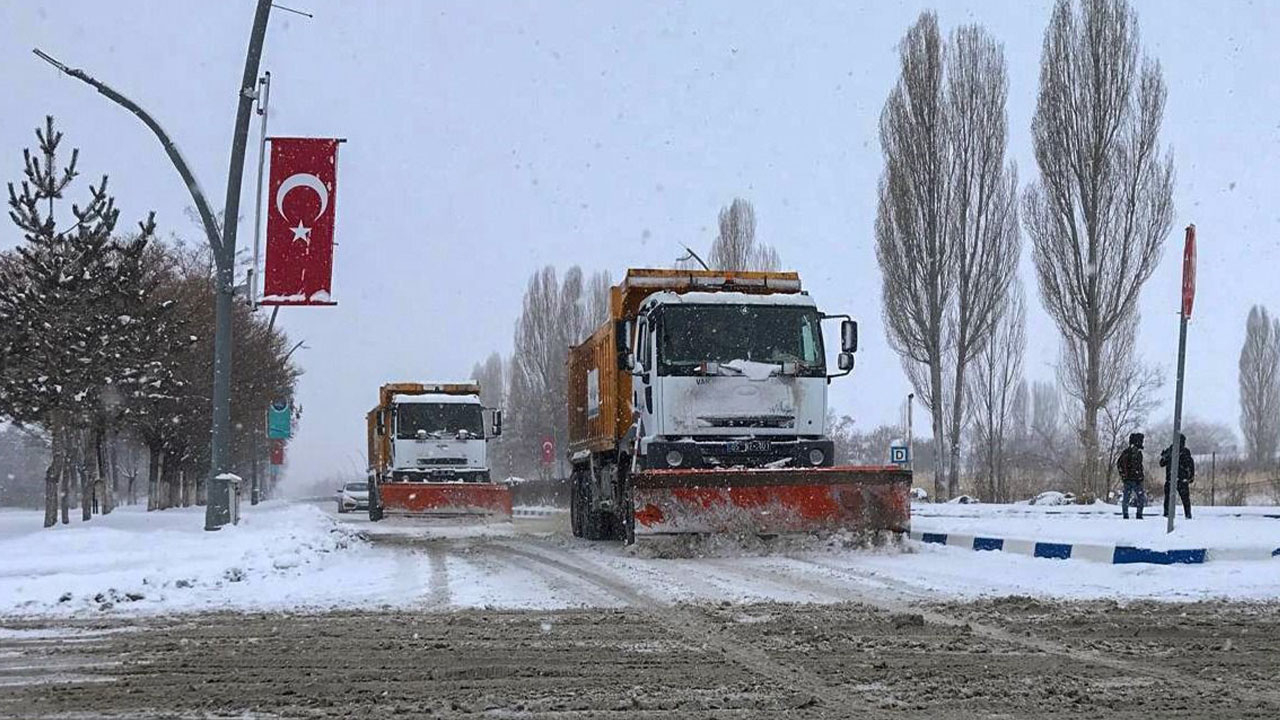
(911, 454)
(218, 508)
(1184, 315)
(1213, 478)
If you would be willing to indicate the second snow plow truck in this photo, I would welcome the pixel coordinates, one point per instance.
(428, 453)
(700, 407)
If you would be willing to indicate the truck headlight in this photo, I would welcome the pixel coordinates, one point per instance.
(675, 458)
(816, 456)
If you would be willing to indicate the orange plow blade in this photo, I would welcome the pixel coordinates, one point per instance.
(446, 499)
(767, 502)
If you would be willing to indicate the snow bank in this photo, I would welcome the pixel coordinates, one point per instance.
(943, 572)
(279, 556)
(1211, 527)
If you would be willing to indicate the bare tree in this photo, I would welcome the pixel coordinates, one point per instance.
(1260, 387)
(993, 391)
(1130, 404)
(735, 248)
(599, 289)
(1099, 214)
(946, 224)
(492, 379)
(553, 318)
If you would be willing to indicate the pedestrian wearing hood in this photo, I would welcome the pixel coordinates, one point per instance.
(1186, 475)
(1132, 474)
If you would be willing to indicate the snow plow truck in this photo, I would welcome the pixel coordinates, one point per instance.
(428, 453)
(700, 407)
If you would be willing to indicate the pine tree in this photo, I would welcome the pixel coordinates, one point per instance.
(64, 350)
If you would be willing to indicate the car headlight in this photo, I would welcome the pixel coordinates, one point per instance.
(675, 458)
(816, 457)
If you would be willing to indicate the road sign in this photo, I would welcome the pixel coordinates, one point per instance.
(277, 452)
(899, 454)
(548, 451)
(279, 420)
(1189, 271)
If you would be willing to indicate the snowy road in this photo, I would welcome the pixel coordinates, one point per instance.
(334, 616)
(307, 557)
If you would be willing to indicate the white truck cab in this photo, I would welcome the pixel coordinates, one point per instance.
(731, 379)
(440, 438)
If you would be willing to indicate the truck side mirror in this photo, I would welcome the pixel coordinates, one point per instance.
(845, 361)
(382, 427)
(848, 338)
(497, 422)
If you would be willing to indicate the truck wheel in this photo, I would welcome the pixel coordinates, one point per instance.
(597, 525)
(575, 506)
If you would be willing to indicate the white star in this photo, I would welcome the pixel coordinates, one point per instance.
(301, 233)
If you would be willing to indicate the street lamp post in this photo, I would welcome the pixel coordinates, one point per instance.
(218, 507)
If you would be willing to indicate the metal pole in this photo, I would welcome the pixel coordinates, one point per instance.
(911, 454)
(264, 94)
(1175, 447)
(1213, 478)
(218, 509)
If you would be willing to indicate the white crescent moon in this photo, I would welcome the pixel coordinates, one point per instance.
(302, 180)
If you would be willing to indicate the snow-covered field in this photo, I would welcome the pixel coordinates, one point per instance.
(302, 556)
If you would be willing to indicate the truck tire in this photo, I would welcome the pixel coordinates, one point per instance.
(628, 534)
(576, 523)
(375, 501)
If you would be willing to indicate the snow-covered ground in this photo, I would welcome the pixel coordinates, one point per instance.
(1209, 527)
(280, 556)
(302, 556)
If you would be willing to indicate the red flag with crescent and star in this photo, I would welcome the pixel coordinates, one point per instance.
(300, 197)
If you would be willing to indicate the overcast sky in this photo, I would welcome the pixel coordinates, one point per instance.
(488, 139)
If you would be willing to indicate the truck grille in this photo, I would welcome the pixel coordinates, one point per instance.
(442, 461)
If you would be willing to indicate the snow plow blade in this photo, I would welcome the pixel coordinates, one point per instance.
(862, 500)
(446, 499)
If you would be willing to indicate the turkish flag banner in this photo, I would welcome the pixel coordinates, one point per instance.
(301, 194)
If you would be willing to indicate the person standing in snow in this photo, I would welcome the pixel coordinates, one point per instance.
(1132, 474)
(1186, 475)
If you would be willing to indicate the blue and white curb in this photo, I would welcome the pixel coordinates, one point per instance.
(1110, 554)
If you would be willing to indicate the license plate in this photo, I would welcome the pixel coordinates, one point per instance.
(740, 446)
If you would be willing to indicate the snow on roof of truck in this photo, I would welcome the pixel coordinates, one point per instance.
(436, 399)
(730, 298)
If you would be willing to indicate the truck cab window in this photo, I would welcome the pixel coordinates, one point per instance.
(439, 420)
(691, 335)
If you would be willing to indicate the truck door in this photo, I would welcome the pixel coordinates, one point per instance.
(642, 395)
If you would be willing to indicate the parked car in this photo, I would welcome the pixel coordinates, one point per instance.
(1053, 497)
(353, 496)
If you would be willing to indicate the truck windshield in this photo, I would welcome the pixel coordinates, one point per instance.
(442, 420)
(691, 335)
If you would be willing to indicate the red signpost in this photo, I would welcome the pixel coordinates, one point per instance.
(1188, 300)
(1189, 271)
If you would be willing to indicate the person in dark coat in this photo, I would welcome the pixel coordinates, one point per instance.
(1186, 475)
(1132, 474)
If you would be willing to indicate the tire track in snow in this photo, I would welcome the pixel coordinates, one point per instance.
(910, 599)
(438, 558)
(695, 628)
